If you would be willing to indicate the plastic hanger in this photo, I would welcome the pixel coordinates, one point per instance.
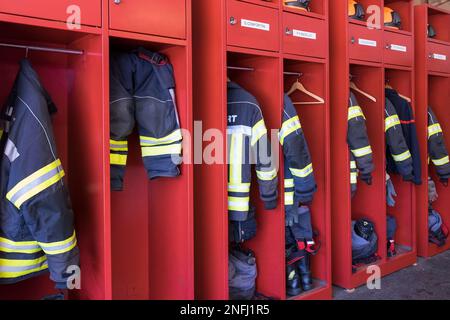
(388, 86)
(354, 87)
(300, 87)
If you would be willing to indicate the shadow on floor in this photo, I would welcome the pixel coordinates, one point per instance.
(429, 280)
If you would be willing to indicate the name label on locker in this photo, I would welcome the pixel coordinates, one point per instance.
(304, 34)
(439, 57)
(255, 25)
(396, 47)
(368, 43)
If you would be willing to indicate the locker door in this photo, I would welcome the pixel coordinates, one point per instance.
(365, 44)
(438, 57)
(398, 49)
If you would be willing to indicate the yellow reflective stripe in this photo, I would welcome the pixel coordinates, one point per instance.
(434, 129)
(354, 112)
(441, 162)
(58, 243)
(241, 187)
(116, 145)
(118, 159)
(289, 183)
(302, 173)
(18, 268)
(266, 175)
(1, 133)
(236, 149)
(32, 177)
(258, 131)
(161, 150)
(402, 157)
(391, 122)
(288, 127)
(362, 151)
(150, 141)
(289, 198)
(10, 246)
(353, 165)
(238, 204)
(353, 177)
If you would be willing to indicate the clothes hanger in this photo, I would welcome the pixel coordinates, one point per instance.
(388, 86)
(300, 87)
(354, 87)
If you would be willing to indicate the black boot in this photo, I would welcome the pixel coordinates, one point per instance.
(304, 269)
(293, 287)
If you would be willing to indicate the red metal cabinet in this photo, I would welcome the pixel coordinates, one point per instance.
(438, 57)
(61, 10)
(304, 35)
(365, 44)
(399, 49)
(252, 26)
(167, 18)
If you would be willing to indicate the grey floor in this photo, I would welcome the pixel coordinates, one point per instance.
(430, 279)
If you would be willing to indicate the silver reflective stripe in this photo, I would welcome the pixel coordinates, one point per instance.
(239, 130)
(11, 151)
(51, 249)
(35, 183)
(118, 146)
(22, 268)
(15, 247)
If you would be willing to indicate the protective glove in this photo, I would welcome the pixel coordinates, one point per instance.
(432, 193)
(390, 192)
(291, 218)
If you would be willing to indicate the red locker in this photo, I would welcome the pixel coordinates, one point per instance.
(365, 44)
(432, 87)
(399, 49)
(220, 41)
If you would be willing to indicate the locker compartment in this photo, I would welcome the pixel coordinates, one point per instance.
(438, 97)
(438, 57)
(60, 10)
(399, 49)
(404, 209)
(252, 26)
(317, 8)
(75, 84)
(405, 10)
(313, 118)
(167, 18)
(440, 20)
(268, 244)
(365, 44)
(369, 201)
(304, 35)
(152, 232)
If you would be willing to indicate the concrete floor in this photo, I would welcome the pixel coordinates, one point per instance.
(429, 280)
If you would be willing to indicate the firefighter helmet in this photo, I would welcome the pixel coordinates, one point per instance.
(392, 18)
(355, 10)
(298, 4)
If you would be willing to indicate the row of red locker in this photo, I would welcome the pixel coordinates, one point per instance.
(136, 284)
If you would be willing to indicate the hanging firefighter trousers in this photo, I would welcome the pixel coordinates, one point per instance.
(142, 91)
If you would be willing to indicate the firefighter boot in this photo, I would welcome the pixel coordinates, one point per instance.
(304, 268)
(293, 287)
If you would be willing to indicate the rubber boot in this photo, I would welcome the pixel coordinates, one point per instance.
(293, 287)
(304, 269)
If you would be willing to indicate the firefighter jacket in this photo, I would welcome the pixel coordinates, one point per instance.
(299, 182)
(36, 218)
(406, 116)
(437, 149)
(142, 92)
(361, 158)
(396, 144)
(248, 144)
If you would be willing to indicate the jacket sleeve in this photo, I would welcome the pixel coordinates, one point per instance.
(396, 143)
(297, 155)
(358, 140)
(262, 157)
(437, 149)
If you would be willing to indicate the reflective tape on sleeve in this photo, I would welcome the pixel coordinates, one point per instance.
(354, 112)
(402, 157)
(58, 247)
(118, 159)
(10, 268)
(7, 245)
(289, 183)
(266, 175)
(362, 152)
(258, 131)
(115, 145)
(442, 161)
(161, 150)
(238, 204)
(302, 173)
(171, 138)
(391, 121)
(289, 198)
(289, 126)
(434, 129)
